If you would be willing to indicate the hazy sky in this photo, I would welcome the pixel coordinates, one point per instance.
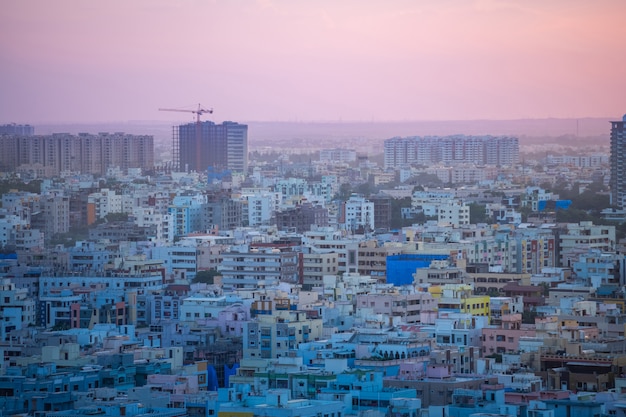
(311, 60)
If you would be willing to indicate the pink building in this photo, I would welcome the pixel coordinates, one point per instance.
(406, 305)
(232, 320)
(505, 337)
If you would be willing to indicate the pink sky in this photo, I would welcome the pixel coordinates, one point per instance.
(117, 60)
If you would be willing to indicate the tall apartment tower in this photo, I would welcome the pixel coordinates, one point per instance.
(451, 150)
(198, 146)
(85, 153)
(14, 129)
(618, 163)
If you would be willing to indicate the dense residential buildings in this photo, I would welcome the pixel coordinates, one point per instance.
(479, 150)
(283, 291)
(357, 213)
(52, 155)
(253, 268)
(337, 155)
(15, 129)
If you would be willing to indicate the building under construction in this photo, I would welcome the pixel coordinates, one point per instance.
(198, 146)
(222, 358)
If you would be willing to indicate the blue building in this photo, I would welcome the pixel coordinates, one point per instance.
(400, 268)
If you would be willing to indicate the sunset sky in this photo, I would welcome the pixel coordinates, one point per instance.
(322, 60)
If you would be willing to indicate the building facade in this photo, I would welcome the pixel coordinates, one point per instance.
(198, 146)
(617, 160)
(86, 153)
(451, 150)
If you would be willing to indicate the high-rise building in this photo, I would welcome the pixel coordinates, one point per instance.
(618, 163)
(198, 146)
(14, 129)
(85, 153)
(451, 150)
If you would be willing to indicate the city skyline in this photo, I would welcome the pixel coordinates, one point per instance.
(72, 61)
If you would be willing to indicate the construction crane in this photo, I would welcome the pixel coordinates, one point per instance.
(176, 146)
(198, 112)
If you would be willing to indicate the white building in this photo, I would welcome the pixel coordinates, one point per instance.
(261, 207)
(337, 155)
(17, 310)
(149, 216)
(455, 213)
(103, 202)
(10, 224)
(358, 212)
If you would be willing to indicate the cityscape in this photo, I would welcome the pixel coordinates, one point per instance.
(398, 209)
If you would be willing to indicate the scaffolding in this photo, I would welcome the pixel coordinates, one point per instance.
(175, 149)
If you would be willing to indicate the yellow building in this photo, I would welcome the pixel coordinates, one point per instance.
(459, 298)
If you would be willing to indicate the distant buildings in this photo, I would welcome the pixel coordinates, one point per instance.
(450, 150)
(14, 129)
(197, 147)
(51, 155)
(618, 163)
(337, 155)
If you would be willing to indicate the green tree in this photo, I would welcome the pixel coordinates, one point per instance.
(206, 276)
(345, 191)
(117, 217)
(397, 204)
(478, 213)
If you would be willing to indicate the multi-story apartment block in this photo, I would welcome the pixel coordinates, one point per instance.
(85, 153)
(534, 197)
(204, 307)
(90, 256)
(347, 250)
(243, 267)
(504, 306)
(198, 146)
(301, 217)
(223, 213)
(10, 225)
(601, 269)
(440, 272)
(407, 305)
(505, 337)
(102, 203)
(187, 212)
(337, 155)
(455, 213)
(458, 298)
(17, 309)
(261, 208)
(536, 248)
(314, 265)
(382, 211)
(26, 239)
(617, 183)
(150, 217)
(279, 334)
(178, 260)
(578, 239)
(481, 150)
(53, 216)
(457, 330)
(15, 129)
(123, 231)
(373, 258)
(357, 214)
(291, 187)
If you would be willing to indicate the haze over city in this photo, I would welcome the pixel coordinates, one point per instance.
(86, 62)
